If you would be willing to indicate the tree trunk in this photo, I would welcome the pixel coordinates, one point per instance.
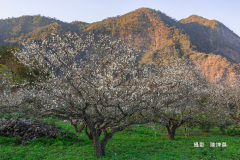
(171, 132)
(97, 145)
(104, 143)
(94, 134)
(223, 132)
(100, 146)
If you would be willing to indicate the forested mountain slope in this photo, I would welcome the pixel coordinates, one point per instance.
(158, 37)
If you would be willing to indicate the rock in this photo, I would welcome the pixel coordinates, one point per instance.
(27, 129)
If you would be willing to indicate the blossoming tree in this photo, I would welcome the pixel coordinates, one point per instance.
(178, 96)
(8, 100)
(105, 87)
(225, 100)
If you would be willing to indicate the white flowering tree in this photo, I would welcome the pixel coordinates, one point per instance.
(12, 94)
(225, 101)
(8, 99)
(5, 89)
(105, 88)
(178, 96)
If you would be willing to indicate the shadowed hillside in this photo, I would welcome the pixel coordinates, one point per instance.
(14, 30)
(211, 36)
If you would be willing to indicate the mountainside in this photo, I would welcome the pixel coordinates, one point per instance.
(159, 38)
(14, 30)
(211, 36)
(152, 32)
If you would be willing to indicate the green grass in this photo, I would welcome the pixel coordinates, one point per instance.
(128, 144)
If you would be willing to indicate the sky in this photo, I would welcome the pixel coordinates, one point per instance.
(225, 11)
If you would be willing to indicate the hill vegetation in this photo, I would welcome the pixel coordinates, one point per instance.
(8, 63)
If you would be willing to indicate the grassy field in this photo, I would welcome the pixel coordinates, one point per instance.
(128, 144)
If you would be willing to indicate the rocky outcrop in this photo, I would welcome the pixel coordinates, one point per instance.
(27, 129)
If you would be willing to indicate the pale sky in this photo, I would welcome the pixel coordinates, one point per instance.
(225, 11)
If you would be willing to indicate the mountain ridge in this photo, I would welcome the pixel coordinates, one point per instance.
(157, 36)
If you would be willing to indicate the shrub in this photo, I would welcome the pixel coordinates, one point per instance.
(233, 130)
